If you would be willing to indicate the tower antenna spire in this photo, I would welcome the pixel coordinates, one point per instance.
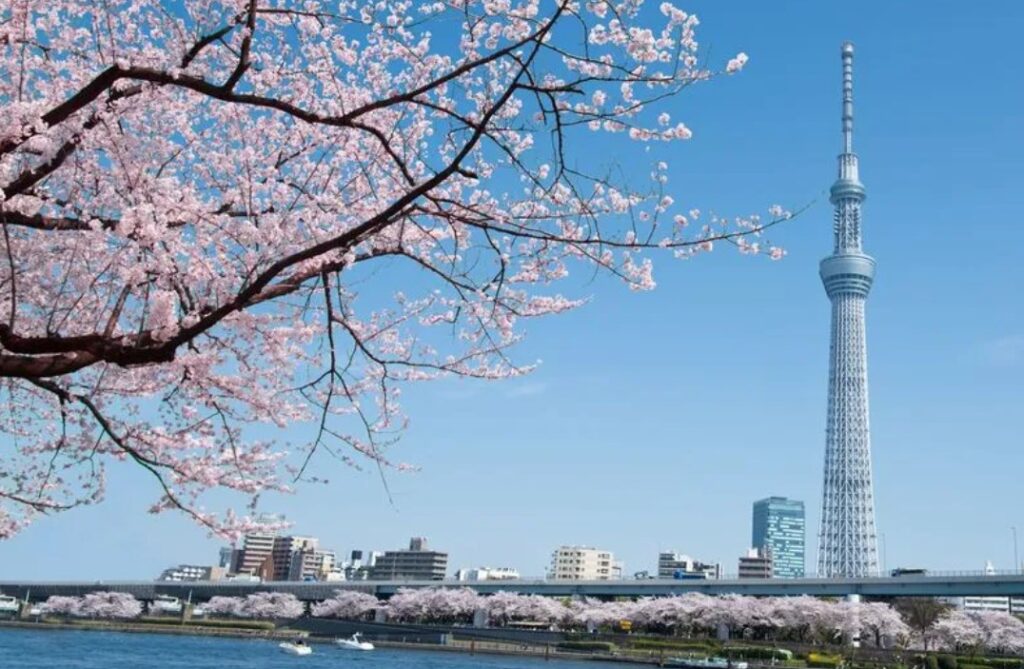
(847, 97)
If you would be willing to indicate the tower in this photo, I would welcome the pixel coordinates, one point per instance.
(848, 544)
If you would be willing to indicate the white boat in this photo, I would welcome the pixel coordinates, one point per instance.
(165, 604)
(9, 604)
(295, 648)
(354, 643)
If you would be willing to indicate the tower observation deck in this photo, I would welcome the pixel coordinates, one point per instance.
(847, 540)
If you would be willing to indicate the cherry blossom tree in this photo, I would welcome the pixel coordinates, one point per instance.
(262, 605)
(114, 605)
(1003, 633)
(271, 606)
(219, 214)
(62, 606)
(433, 604)
(679, 615)
(592, 613)
(505, 607)
(881, 625)
(224, 606)
(347, 604)
(975, 630)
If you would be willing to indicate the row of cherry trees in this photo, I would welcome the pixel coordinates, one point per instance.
(692, 614)
(801, 619)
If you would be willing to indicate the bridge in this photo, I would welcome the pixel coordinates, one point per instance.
(1001, 585)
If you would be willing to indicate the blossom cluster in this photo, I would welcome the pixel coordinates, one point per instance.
(226, 219)
(105, 605)
(260, 605)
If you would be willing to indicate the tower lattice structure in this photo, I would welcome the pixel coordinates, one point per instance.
(848, 539)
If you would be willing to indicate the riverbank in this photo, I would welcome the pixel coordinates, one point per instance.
(171, 628)
(546, 652)
(521, 650)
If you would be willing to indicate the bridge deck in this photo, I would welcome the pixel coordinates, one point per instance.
(903, 586)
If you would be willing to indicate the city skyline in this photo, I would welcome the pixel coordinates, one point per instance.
(730, 362)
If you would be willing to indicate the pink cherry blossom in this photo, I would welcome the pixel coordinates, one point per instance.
(109, 605)
(201, 209)
(260, 605)
(346, 604)
(736, 64)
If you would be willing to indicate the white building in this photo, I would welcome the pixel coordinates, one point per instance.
(679, 565)
(1013, 605)
(583, 563)
(487, 574)
(757, 563)
(192, 572)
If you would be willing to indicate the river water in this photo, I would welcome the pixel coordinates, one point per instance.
(64, 649)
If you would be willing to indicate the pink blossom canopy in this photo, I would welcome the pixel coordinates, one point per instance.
(224, 217)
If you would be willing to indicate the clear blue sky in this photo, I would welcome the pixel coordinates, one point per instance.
(657, 419)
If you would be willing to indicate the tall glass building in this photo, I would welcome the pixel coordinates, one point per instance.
(779, 527)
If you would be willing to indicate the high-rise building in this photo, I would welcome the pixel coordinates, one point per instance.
(680, 566)
(757, 563)
(848, 542)
(256, 555)
(415, 564)
(290, 555)
(778, 526)
(583, 563)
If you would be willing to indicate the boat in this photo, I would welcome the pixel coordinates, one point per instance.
(353, 643)
(166, 604)
(9, 604)
(295, 648)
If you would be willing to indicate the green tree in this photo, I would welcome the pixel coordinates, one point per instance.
(920, 613)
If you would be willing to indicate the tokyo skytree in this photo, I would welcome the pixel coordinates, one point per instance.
(848, 544)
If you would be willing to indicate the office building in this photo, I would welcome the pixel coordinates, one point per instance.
(583, 563)
(779, 528)
(255, 557)
(757, 563)
(418, 563)
(293, 557)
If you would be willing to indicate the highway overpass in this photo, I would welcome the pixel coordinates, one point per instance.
(901, 586)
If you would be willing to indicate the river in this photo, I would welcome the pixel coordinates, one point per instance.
(69, 649)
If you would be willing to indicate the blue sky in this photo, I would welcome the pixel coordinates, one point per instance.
(657, 419)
